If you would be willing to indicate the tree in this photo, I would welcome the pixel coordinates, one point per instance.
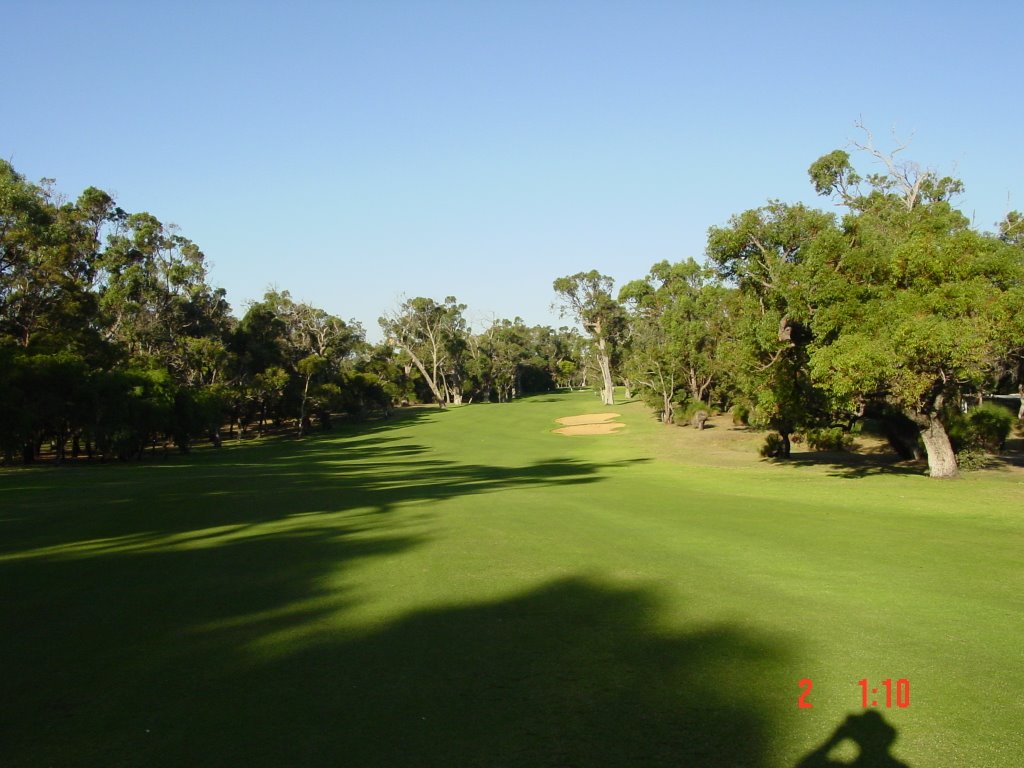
(678, 321)
(315, 344)
(432, 336)
(915, 308)
(101, 304)
(1011, 232)
(587, 296)
(48, 254)
(765, 253)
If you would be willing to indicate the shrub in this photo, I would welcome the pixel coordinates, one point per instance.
(829, 439)
(686, 411)
(772, 446)
(740, 415)
(984, 428)
(991, 425)
(971, 460)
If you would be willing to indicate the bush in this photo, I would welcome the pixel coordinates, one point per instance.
(772, 446)
(740, 415)
(991, 424)
(984, 428)
(829, 439)
(972, 460)
(686, 411)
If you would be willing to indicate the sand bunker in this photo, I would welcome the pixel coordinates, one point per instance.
(587, 418)
(589, 424)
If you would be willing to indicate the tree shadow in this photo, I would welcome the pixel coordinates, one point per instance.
(258, 667)
(1007, 459)
(872, 736)
(852, 466)
(201, 613)
(262, 484)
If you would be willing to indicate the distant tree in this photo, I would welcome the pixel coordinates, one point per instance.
(48, 254)
(678, 323)
(587, 296)
(315, 344)
(154, 298)
(101, 304)
(1011, 232)
(433, 337)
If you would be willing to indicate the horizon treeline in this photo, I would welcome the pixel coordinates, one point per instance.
(113, 341)
(803, 322)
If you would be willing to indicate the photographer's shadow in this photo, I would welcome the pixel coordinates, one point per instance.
(873, 737)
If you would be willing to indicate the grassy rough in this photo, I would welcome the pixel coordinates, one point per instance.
(467, 588)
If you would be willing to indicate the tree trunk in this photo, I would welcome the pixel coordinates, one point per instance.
(431, 381)
(667, 409)
(604, 361)
(941, 459)
(303, 420)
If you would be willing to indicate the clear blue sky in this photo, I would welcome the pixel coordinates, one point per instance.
(353, 152)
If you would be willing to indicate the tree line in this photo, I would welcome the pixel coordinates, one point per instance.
(802, 321)
(113, 341)
(807, 322)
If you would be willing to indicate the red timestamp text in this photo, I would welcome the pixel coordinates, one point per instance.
(896, 692)
(901, 687)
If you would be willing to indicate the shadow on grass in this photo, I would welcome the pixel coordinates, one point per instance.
(871, 734)
(201, 614)
(268, 484)
(223, 664)
(852, 465)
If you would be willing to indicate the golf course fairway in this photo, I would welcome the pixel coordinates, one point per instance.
(470, 588)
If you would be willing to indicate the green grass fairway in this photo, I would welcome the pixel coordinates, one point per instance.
(465, 588)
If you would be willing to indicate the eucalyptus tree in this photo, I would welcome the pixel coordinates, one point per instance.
(48, 253)
(678, 323)
(512, 350)
(764, 253)
(913, 306)
(154, 299)
(315, 344)
(432, 336)
(587, 297)
(566, 356)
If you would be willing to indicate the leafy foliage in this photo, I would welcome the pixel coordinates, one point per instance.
(679, 322)
(983, 428)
